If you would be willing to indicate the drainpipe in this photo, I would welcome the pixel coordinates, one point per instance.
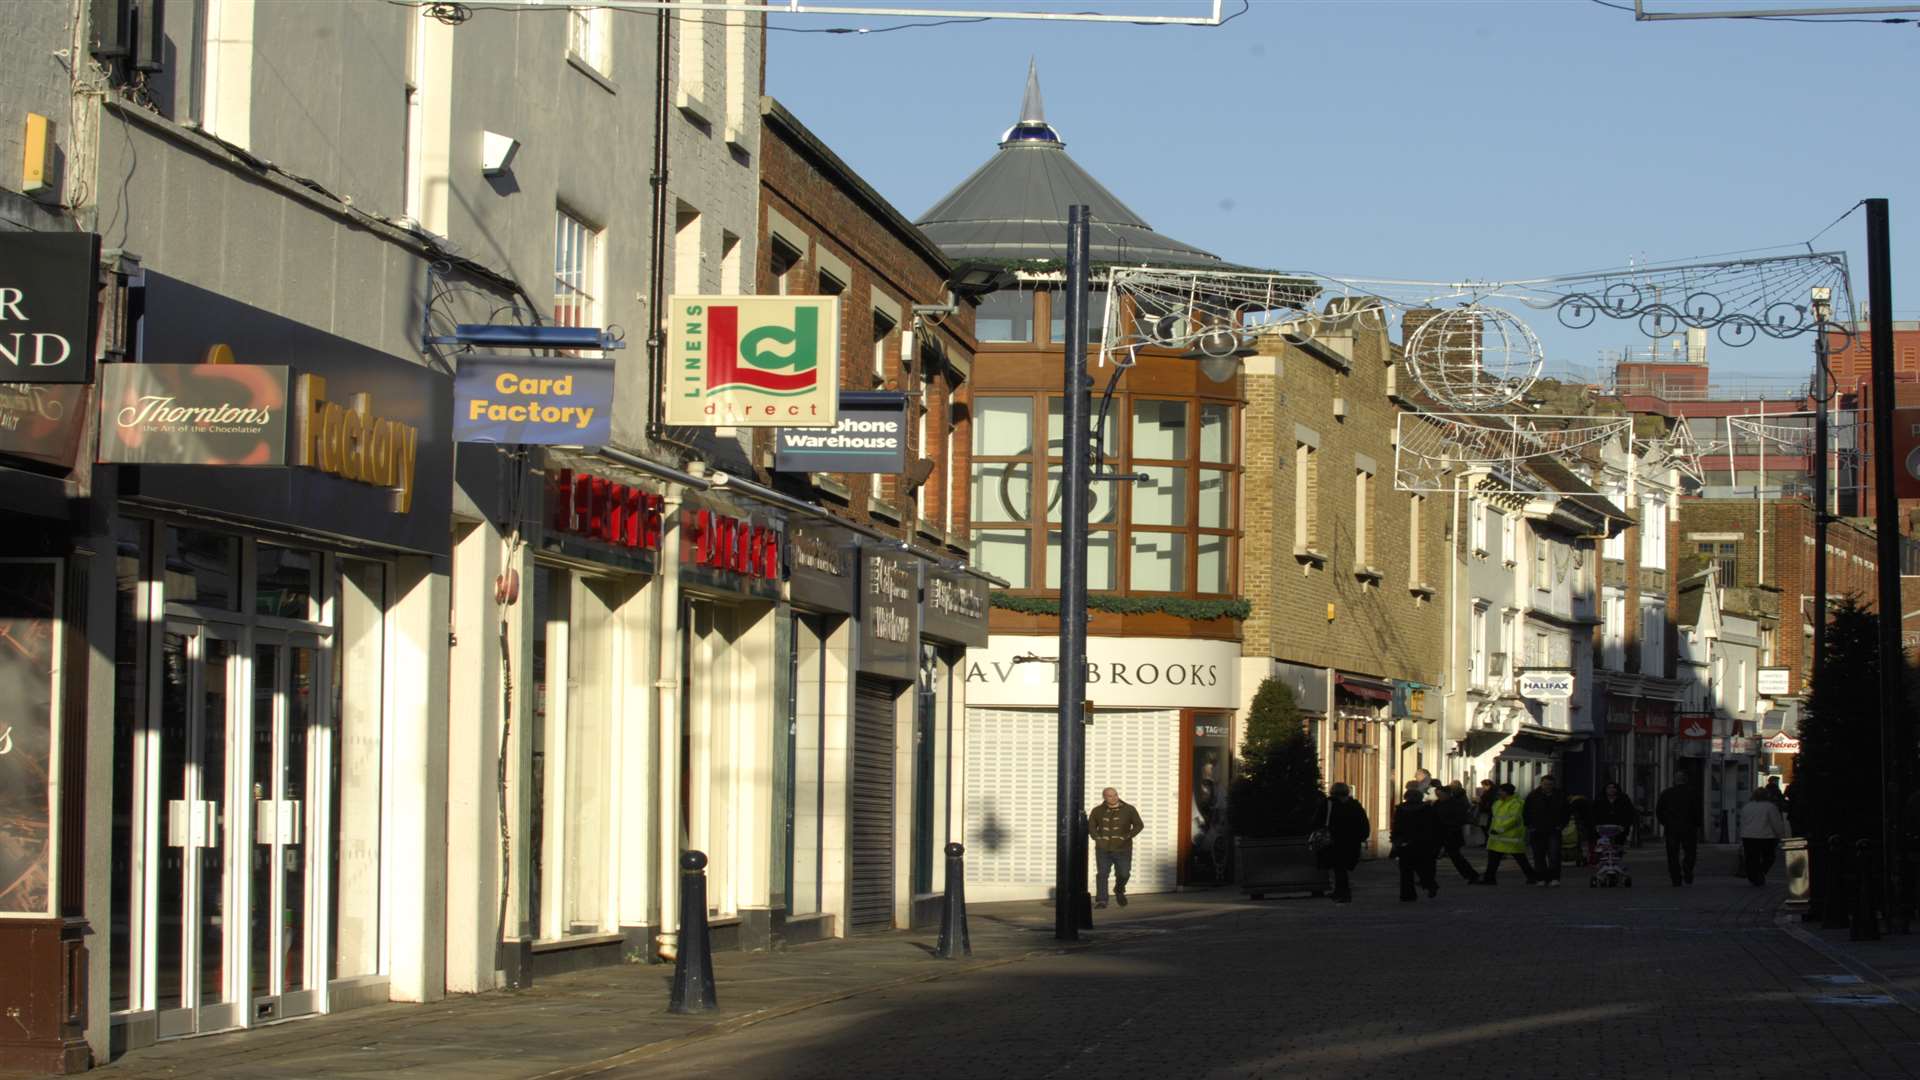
(657, 273)
(667, 688)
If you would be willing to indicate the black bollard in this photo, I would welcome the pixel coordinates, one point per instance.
(953, 912)
(1866, 921)
(693, 966)
(1835, 909)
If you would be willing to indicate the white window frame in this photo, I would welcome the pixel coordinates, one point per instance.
(1477, 526)
(577, 253)
(1477, 649)
(589, 34)
(1653, 534)
(1306, 509)
(1542, 562)
(1653, 637)
(1416, 527)
(1613, 634)
(1509, 538)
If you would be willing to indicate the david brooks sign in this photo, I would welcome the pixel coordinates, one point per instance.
(545, 401)
(48, 283)
(753, 361)
(1547, 685)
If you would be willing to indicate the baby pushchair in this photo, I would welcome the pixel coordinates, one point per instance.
(1610, 849)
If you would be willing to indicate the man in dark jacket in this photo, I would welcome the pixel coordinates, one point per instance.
(1681, 817)
(1348, 825)
(1112, 825)
(1452, 814)
(1546, 814)
(1414, 842)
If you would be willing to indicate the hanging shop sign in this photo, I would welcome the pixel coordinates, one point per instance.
(194, 414)
(821, 567)
(594, 507)
(1775, 681)
(367, 436)
(1780, 743)
(889, 614)
(1126, 673)
(48, 306)
(954, 608)
(753, 361)
(1906, 453)
(43, 423)
(1653, 717)
(533, 400)
(1694, 726)
(1547, 685)
(725, 550)
(29, 750)
(870, 437)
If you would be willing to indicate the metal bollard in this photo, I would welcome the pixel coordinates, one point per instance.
(693, 967)
(1866, 921)
(953, 912)
(1835, 910)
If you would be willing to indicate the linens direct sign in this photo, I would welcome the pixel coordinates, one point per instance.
(545, 401)
(753, 361)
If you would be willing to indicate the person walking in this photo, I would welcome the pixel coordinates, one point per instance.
(1761, 829)
(1414, 842)
(1428, 785)
(1451, 816)
(1483, 801)
(1112, 825)
(1681, 817)
(1506, 835)
(1546, 813)
(1614, 808)
(1349, 828)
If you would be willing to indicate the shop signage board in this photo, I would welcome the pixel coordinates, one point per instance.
(533, 401)
(1695, 726)
(29, 739)
(1547, 685)
(870, 437)
(822, 567)
(1775, 681)
(955, 607)
(1906, 453)
(889, 614)
(194, 414)
(1780, 743)
(625, 516)
(1019, 671)
(49, 284)
(43, 422)
(728, 550)
(753, 361)
(1653, 717)
(368, 442)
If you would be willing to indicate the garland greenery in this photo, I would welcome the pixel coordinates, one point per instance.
(1182, 606)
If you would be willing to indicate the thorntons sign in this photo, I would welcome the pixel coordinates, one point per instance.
(1121, 672)
(193, 414)
(48, 283)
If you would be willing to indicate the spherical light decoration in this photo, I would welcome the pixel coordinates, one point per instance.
(1474, 358)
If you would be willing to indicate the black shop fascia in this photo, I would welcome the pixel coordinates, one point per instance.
(822, 567)
(369, 444)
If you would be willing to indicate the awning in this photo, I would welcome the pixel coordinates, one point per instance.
(1370, 689)
(1531, 746)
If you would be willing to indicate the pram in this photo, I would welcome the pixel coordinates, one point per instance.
(1611, 852)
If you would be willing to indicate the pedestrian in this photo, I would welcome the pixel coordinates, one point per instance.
(1112, 825)
(1427, 784)
(1546, 813)
(1506, 835)
(1415, 843)
(1614, 808)
(1761, 829)
(1349, 828)
(1773, 792)
(1681, 817)
(1451, 816)
(1483, 801)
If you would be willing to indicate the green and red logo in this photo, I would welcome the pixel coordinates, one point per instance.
(754, 360)
(768, 358)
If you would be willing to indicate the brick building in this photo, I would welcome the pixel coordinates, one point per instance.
(1344, 571)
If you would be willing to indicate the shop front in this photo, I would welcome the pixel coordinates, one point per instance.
(731, 559)
(880, 779)
(1161, 734)
(279, 669)
(953, 619)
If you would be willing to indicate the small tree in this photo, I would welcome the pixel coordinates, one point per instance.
(1837, 775)
(1278, 790)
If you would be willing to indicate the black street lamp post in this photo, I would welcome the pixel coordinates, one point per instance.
(1071, 907)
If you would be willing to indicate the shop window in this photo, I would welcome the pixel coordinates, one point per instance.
(1096, 316)
(285, 583)
(1159, 430)
(1216, 434)
(1004, 553)
(202, 568)
(1100, 569)
(1160, 497)
(1004, 316)
(1157, 562)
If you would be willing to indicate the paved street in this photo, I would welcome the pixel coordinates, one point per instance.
(1573, 982)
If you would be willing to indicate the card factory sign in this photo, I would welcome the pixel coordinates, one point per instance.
(870, 437)
(1121, 672)
(753, 361)
(546, 401)
(48, 287)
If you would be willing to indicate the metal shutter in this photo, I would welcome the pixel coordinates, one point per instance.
(873, 759)
(1010, 797)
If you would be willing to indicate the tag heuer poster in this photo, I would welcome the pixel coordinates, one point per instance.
(753, 361)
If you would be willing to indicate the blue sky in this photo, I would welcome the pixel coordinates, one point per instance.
(1430, 139)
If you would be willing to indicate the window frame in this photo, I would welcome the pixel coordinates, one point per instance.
(575, 235)
(589, 33)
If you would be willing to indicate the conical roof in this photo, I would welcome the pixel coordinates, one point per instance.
(1014, 207)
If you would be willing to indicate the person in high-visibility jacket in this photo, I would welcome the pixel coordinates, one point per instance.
(1507, 835)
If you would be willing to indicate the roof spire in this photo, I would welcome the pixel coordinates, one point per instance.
(1032, 126)
(1031, 111)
